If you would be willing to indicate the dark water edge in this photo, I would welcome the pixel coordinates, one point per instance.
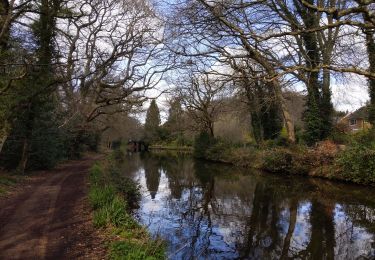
(215, 211)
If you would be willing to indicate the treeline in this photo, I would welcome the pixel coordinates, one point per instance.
(66, 70)
(258, 51)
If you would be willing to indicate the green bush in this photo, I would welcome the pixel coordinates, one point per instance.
(130, 190)
(365, 138)
(357, 163)
(126, 186)
(278, 160)
(246, 156)
(219, 151)
(201, 144)
(294, 160)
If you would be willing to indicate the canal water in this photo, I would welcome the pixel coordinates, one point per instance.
(215, 211)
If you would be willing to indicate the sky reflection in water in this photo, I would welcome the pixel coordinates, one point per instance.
(214, 211)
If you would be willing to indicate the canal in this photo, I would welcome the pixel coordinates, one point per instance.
(215, 211)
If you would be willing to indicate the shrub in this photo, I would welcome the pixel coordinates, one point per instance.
(245, 156)
(294, 160)
(130, 190)
(278, 160)
(219, 151)
(202, 143)
(365, 138)
(357, 163)
(126, 186)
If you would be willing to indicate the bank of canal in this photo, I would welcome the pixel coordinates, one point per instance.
(215, 211)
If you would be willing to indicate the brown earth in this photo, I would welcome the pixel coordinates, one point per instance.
(50, 218)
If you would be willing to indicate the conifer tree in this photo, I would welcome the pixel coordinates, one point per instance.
(152, 122)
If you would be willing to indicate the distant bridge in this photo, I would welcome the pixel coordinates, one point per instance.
(137, 146)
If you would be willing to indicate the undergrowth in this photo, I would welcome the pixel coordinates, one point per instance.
(112, 196)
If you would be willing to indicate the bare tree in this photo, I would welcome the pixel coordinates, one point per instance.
(203, 98)
(113, 53)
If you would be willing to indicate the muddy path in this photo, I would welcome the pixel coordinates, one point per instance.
(50, 218)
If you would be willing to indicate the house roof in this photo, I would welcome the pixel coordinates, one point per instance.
(361, 113)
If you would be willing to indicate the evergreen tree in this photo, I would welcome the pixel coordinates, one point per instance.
(152, 122)
(33, 110)
(174, 122)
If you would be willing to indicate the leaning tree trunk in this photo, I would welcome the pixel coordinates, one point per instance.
(3, 139)
(288, 121)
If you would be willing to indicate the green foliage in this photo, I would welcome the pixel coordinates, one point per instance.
(152, 123)
(318, 114)
(76, 141)
(357, 161)
(282, 139)
(202, 143)
(245, 156)
(100, 196)
(358, 164)
(127, 187)
(118, 154)
(271, 120)
(96, 174)
(313, 123)
(278, 161)
(38, 126)
(219, 150)
(295, 160)
(135, 251)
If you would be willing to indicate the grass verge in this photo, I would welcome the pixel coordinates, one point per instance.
(112, 196)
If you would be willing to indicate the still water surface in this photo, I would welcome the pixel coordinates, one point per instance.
(214, 211)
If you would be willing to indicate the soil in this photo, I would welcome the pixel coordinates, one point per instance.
(49, 217)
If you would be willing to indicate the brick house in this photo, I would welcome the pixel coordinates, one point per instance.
(357, 120)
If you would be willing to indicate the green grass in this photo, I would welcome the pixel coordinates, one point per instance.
(108, 197)
(100, 196)
(136, 251)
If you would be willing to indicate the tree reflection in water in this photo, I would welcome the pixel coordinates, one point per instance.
(214, 211)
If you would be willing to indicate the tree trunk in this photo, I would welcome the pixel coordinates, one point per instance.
(29, 123)
(24, 157)
(211, 129)
(5, 23)
(288, 121)
(3, 138)
(370, 44)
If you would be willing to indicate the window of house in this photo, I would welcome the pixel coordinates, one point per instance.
(352, 121)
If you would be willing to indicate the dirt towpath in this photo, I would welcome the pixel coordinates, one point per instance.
(50, 217)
